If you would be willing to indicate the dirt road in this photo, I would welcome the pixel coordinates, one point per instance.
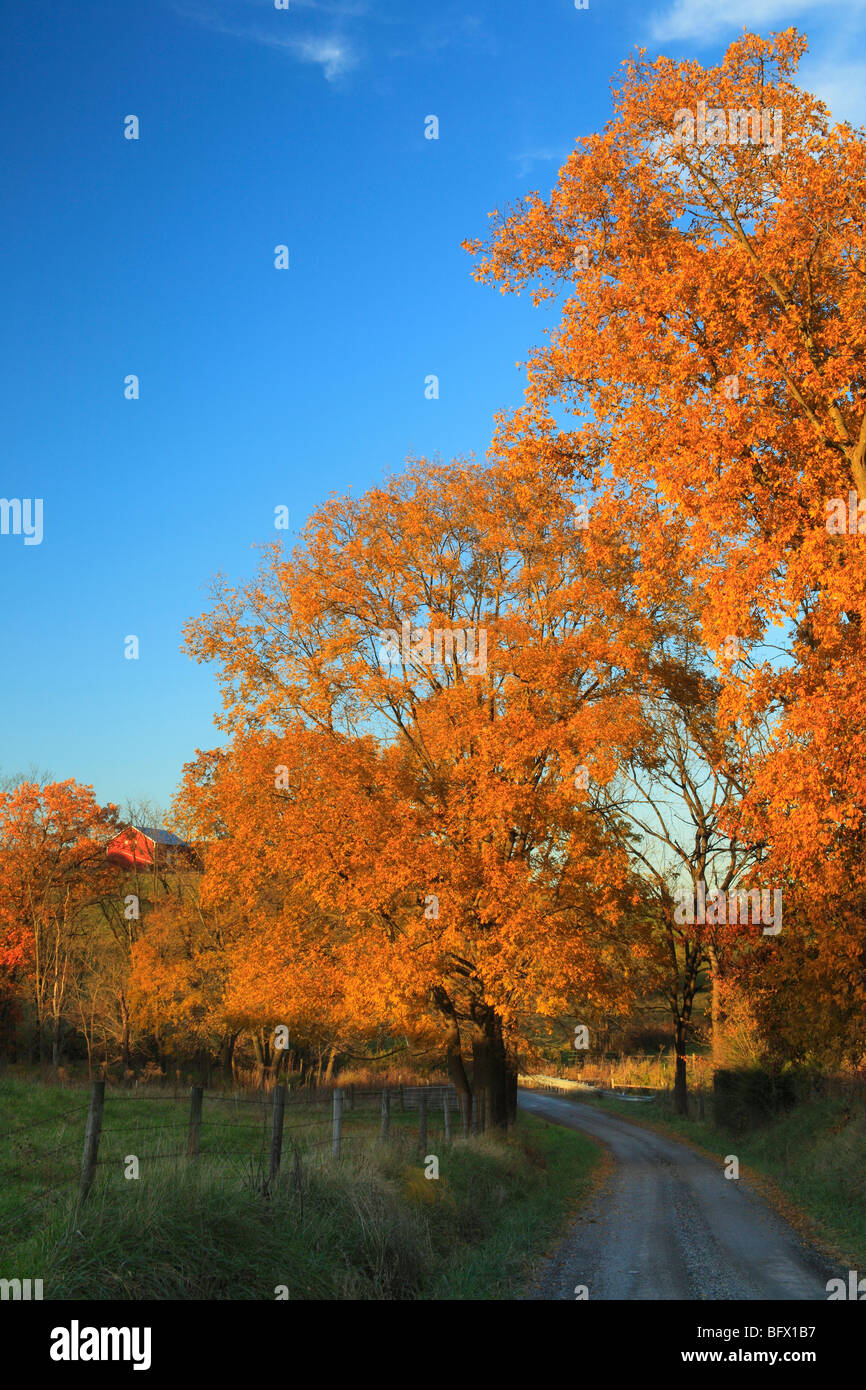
(667, 1224)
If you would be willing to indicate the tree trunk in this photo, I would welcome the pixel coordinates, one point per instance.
(457, 1073)
(682, 1015)
(262, 1054)
(499, 1082)
(511, 1093)
(454, 1057)
(227, 1052)
(716, 1015)
(681, 1095)
(124, 1037)
(490, 1067)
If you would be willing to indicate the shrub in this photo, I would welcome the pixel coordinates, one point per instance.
(748, 1097)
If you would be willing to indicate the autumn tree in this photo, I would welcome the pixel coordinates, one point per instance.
(706, 254)
(53, 870)
(133, 894)
(412, 698)
(670, 802)
(178, 977)
(269, 954)
(809, 999)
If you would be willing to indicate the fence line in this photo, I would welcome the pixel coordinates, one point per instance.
(330, 1119)
(48, 1120)
(273, 1128)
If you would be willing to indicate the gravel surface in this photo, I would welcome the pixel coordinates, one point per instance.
(667, 1224)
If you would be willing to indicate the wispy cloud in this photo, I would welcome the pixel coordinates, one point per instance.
(334, 53)
(340, 48)
(335, 56)
(840, 85)
(706, 20)
(352, 9)
(448, 28)
(528, 158)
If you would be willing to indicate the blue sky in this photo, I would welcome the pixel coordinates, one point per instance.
(259, 387)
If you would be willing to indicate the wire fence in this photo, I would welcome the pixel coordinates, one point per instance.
(109, 1132)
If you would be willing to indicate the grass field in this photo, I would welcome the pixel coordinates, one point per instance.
(367, 1226)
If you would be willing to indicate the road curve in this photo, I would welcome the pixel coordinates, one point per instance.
(667, 1224)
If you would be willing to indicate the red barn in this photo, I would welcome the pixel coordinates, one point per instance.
(144, 847)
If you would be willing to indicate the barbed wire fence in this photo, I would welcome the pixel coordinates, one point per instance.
(325, 1124)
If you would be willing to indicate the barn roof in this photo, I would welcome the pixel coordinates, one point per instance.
(160, 837)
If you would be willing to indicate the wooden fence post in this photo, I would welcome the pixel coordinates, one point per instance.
(386, 1112)
(422, 1122)
(195, 1101)
(338, 1122)
(279, 1115)
(402, 1101)
(445, 1100)
(91, 1138)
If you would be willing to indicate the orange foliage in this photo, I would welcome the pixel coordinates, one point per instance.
(405, 837)
(711, 343)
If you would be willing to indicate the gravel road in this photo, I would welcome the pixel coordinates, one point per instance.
(667, 1224)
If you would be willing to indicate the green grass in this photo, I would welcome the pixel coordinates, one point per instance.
(815, 1154)
(370, 1226)
(515, 1199)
